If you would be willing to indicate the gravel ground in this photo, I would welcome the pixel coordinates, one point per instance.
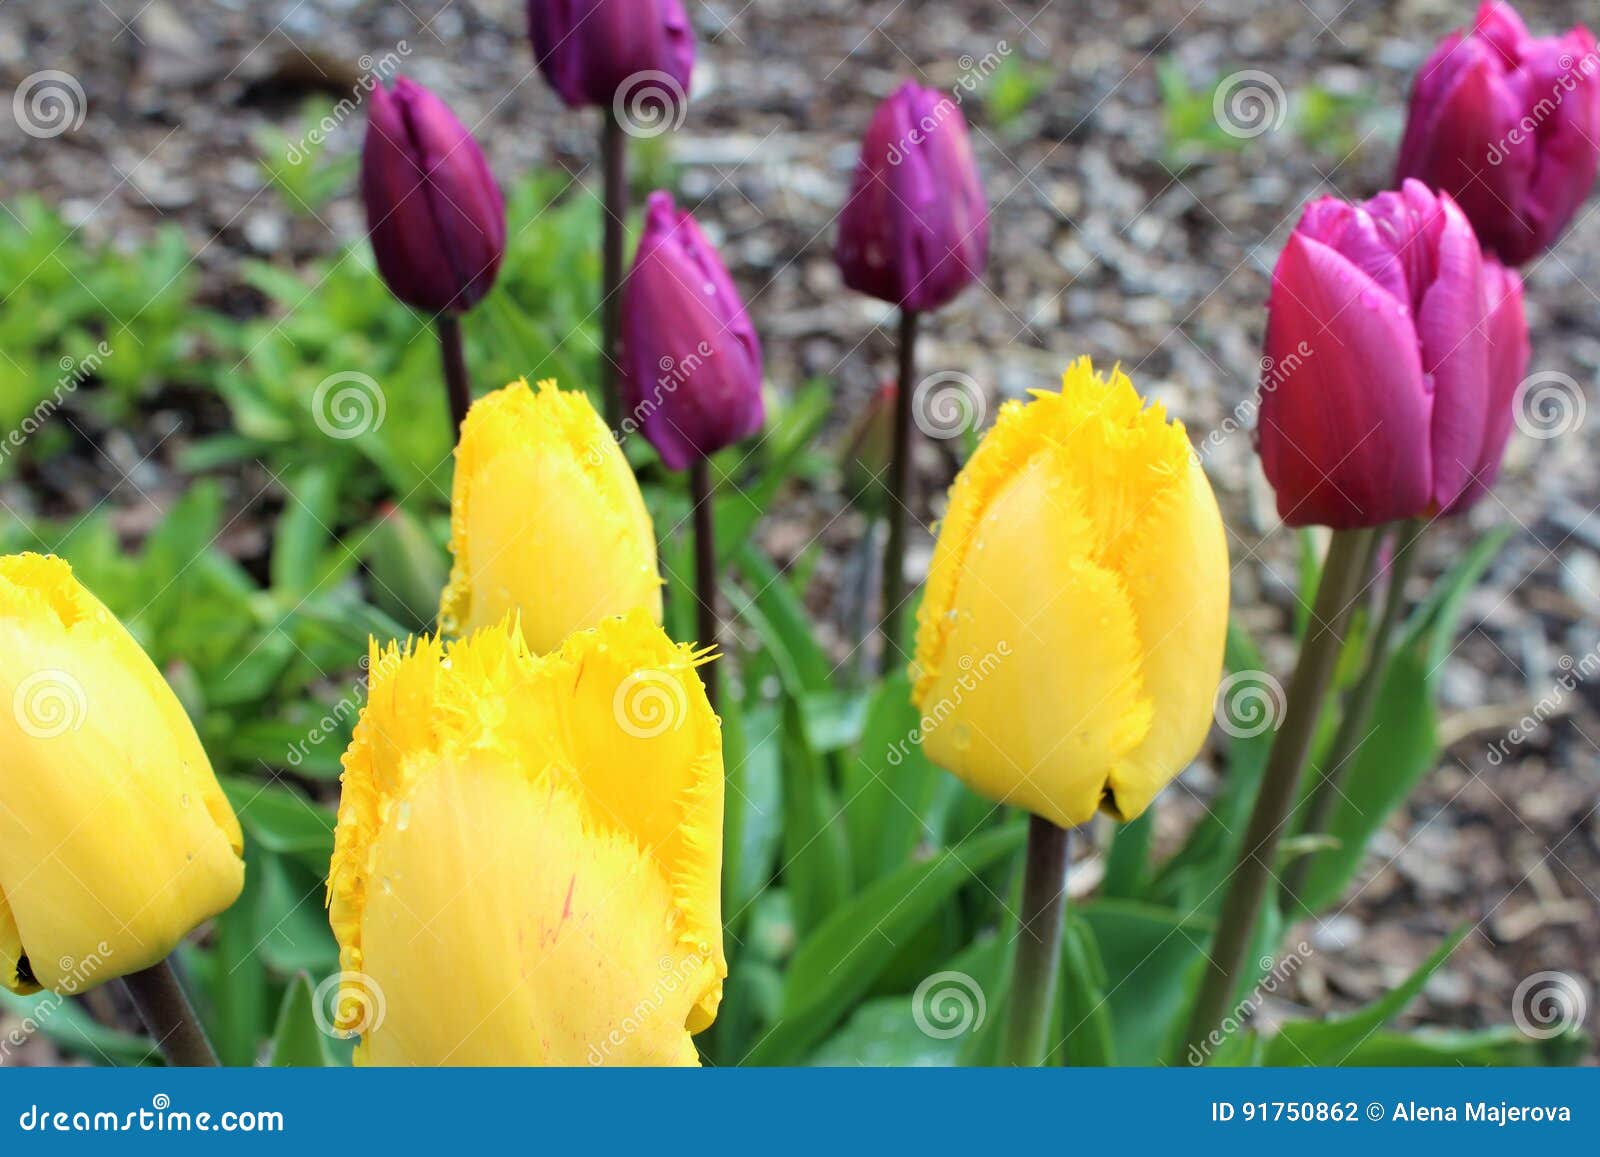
(1103, 243)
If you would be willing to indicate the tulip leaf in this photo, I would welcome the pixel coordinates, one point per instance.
(65, 1022)
(779, 618)
(816, 850)
(1492, 1047)
(238, 977)
(304, 528)
(1081, 1033)
(1151, 956)
(292, 923)
(1333, 1042)
(1127, 865)
(283, 821)
(889, 784)
(838, 962)
(751, 755)
(298, 1041)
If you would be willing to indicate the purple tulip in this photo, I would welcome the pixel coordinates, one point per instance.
(1509, 353)
(690, 359)
(1376, 384)
(592, 51)
(434, 213)
(915, 231)
(1509, 125)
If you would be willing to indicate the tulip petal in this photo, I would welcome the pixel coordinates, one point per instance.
(546, 520)
(1455, 353)
(1344, 406)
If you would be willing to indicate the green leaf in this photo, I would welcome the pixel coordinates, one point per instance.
(889, 785)
(816, 849)
(63, 1020)
(1127, 865)
(753, 829)
(1491, 1047)
(837, 963)
(779, 617)
(298, 1041)
(1151, 956)
(304, 527)
(1333, 1042)
(1083, 1013)
(283, 821)
(237, 984)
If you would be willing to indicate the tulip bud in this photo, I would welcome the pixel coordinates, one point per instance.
(867, 450)
(527, 864)
(690, 359)
(434, 213)
(1509, 125)
(590, 50)
(115, 838)
(915, 231)
(1070, 641)
(1509, 353)
(1375, 384)
(546, 520)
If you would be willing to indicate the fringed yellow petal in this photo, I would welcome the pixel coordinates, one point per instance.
(546, 520)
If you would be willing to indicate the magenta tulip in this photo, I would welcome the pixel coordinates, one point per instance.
(589, 50)
(915, 231)
(1509, 353)
(1375, 390)
(435, 215)
(690, 359)
(1509, 125)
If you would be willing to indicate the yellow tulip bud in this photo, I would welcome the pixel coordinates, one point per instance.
(526, 868)
(1070, 641)
(546, 520)
(115, 839)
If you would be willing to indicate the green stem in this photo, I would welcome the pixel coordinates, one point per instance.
(1352, 732)
(894, 555)
(169, 1017)
(1033, 979)
(614, 166)
(1313, 676)
(701, 492)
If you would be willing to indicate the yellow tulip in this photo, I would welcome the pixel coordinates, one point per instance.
(1070, 641)
(546, 520)
(527, 862)
(115, 839)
